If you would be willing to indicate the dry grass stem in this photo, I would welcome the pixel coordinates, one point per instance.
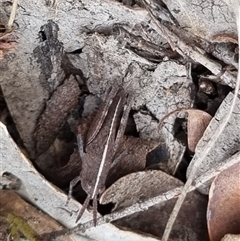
(12, 15)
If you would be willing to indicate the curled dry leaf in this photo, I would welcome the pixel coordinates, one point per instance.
(197, 122)
(54, 116)
(28, 220)
(223, 214)
(139, 187)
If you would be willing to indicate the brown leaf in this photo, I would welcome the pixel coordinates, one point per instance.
(132, 157)
(223, 214)
(54, 116)
(198, 121)
(139, 187)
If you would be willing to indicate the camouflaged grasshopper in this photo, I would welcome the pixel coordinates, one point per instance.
(97, 151)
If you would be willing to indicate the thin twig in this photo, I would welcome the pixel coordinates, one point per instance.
(207, 177)
(138, 207)
(12, 15)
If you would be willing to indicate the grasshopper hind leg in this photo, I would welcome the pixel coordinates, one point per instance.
(95, 211)
(84, 206)
(71, 186)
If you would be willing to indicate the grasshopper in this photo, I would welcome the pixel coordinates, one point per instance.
(98, 150)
